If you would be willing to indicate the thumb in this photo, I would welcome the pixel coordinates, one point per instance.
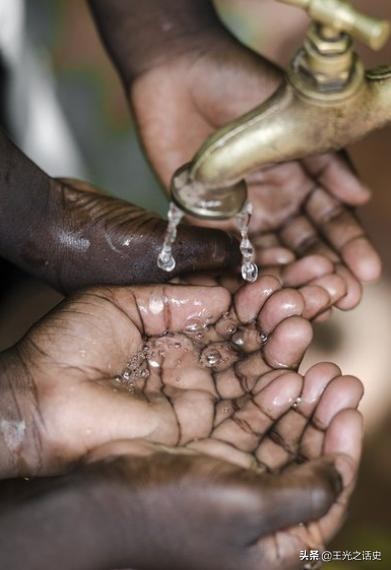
(300, 494)
(203, 249)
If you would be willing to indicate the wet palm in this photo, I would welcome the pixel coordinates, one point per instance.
(194, 368)
(300, 208)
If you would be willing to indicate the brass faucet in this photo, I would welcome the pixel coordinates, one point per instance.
(325, 101)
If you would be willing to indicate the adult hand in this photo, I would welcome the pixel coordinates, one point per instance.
(300, 208)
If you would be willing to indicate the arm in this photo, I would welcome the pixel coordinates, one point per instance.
(61, 522)
(186, 76)
(20, 441)
(142, 35)
(155, 511)
(72, 236)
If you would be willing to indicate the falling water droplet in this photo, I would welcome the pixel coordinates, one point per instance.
(165, 260)
(249, 267)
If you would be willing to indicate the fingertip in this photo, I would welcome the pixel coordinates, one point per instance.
(354, 289)
(307, 269)
(316, 301)
(203, 249)
(281, 305)
(362, 259)
(309, 490)
(344, 440)
(288, 343)
(251, 297)
(274, 256)
(343, 392)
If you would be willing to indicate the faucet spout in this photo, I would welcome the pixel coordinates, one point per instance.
(325, 101)
(293, 124)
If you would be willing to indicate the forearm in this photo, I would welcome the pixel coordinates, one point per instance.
(73, 238)
(141, 35)
(61, 523)
(24, 192)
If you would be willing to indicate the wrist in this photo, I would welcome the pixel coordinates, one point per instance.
(65, 522)
(140, 38)
(20, 441)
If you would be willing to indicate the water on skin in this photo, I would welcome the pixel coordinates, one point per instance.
(166, 260)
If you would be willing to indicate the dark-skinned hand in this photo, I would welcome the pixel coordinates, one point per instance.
(175, 369)
(300, 208)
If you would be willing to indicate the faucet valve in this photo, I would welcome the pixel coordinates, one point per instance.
(327, 63)
(338, 16)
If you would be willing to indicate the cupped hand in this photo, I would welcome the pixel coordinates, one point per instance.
(300, 208)
(170, 363)
(209, 375)
(195, 510)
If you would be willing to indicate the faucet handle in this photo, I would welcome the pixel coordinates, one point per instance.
(340, 16)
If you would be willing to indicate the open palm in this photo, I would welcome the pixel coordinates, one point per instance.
(194, 368)
(300, 208)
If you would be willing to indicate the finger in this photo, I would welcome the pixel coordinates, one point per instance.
(194, 413)
(305, 270)
(316, 301)
(335, 172)
(299, 495)
(303, 238)
(253, 416)
(224, 451)
(344, 233)
(354, 289)
(283, 304)
(289, 429)
(204, 249)
(323, 317)
(174, 308)
(334, 285)
(344, 438)
(274, 256)
(240, 380)
(342, 393)
(344, 441)
(250, 298)
(288, 342)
